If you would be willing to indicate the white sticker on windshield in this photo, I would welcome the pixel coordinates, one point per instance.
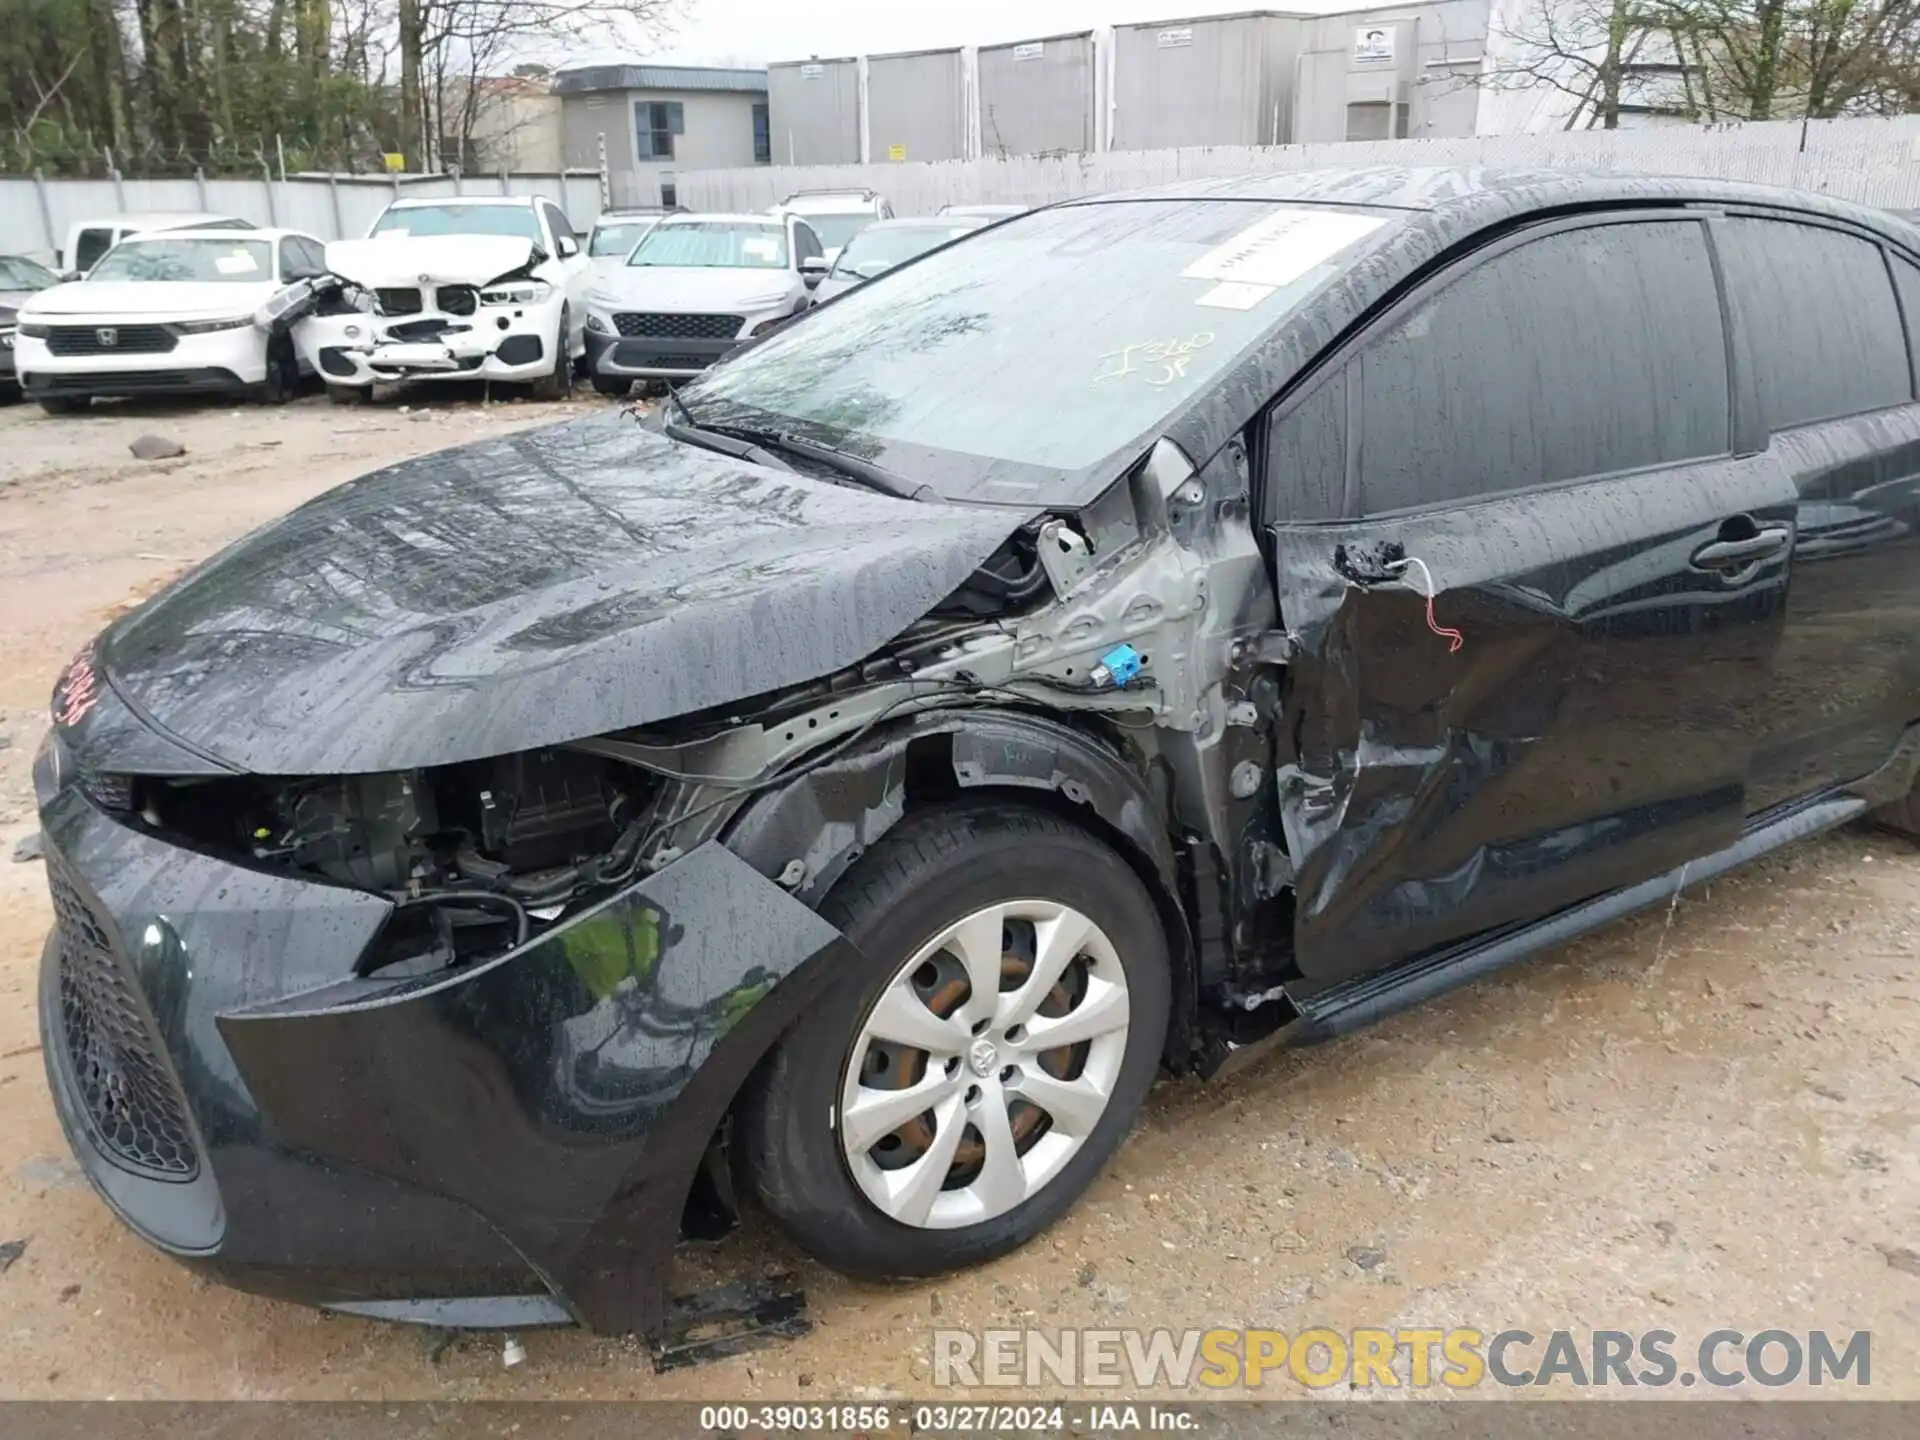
(760, 249)
(240, 262)
(1235, 295)
(1280, 249)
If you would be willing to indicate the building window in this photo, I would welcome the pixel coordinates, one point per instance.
(655, 123)
(762, 136)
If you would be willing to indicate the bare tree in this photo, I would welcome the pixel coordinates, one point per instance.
(1594, 52)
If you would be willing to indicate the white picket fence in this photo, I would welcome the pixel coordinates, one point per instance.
(1872, 161)
(35, 213)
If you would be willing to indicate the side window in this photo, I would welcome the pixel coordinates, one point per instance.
(91, 245)
(1819, 308)
(316, 255)
(290, 257)
(1306, 476)
(1581, 353)
(558, 223)
(762, 136)
(806, 244)
(655, 123)
(1906, 276)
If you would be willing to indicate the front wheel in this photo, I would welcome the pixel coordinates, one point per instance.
(557, 384)
(282, 381)
(947, 1101)
(349, 394)
(614, 385)
(66, 404)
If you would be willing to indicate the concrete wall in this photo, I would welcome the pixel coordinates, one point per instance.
(1217, 81)
(1438, 50)
(35, 214)
(917, 106)
(1037, 96)
(1872, 161)
(719, 135)
(815, 107)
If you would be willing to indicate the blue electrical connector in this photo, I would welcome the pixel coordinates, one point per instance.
(1118, 667)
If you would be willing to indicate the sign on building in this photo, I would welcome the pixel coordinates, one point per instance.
(812, 72)
(1174, 39)
(1036, 50)
(896, 152)
(1373, 42)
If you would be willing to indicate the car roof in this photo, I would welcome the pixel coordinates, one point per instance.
(925, 222)
(414, 202)
(195, 232)
(683, 216)
(829, 202)
(1464, 195)
(163, 219)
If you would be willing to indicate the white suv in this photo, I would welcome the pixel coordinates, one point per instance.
(464, 287)
(836, 215)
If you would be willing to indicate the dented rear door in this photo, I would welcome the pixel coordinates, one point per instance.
(1533, 664)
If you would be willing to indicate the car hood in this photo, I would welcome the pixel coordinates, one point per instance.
(431, 259)
(695, 288)
(527, 591)
(122, 299)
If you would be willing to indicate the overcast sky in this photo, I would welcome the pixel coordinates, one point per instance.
(717, 32)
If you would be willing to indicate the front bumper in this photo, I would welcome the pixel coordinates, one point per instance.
(224, 360)
(514, 1140)
(653, 357)
(510, 344)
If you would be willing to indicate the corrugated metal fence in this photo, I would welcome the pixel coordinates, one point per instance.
(1873, 161)
(35, 214)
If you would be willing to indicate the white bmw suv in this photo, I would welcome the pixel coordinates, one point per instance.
(469, 287)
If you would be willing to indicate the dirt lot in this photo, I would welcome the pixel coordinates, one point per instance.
(1703, 1118)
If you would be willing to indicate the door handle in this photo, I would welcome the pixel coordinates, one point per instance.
(1735, 555)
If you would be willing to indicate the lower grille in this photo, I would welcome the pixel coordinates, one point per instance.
(110, 340)
(138, 1114)
(677, 327)
(395, 301)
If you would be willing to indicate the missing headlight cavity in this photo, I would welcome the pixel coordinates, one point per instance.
(476, 857)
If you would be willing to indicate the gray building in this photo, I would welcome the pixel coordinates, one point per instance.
(816, 111)
(1038, 96)
(653, 122)
(1400, 72)
(917, 106)
(1209, 80)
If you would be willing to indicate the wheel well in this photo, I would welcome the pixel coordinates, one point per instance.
(931, 780)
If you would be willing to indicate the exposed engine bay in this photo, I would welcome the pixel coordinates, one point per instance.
(474, 857)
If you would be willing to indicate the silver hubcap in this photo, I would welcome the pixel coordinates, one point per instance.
(984, 1065)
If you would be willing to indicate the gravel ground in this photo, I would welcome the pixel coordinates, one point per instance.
(1703, 1117)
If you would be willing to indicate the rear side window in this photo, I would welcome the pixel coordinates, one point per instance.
(1819, 307)
(1906, 276)
(91, 245)
(1581, 353)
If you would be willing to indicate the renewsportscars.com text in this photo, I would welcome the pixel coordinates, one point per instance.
(1459, 1359)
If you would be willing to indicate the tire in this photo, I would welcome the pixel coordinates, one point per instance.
(558, 383)
(66, 404)
(349, 394)
(934, 869)
(283, 373)
(617, 386)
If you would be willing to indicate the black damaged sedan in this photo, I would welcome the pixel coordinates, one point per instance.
(1157, 629)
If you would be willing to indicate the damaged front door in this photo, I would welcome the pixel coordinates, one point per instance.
(1531, 665)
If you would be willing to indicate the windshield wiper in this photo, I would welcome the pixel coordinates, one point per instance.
(693, 433)
(874, 477)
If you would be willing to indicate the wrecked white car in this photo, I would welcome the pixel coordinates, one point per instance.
(480, 289)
